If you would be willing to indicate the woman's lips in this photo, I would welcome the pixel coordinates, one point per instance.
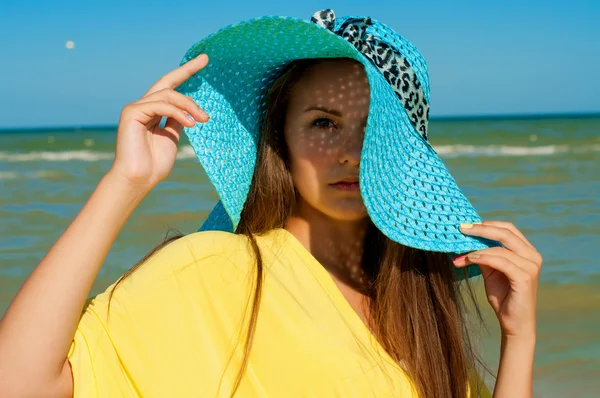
(346, 186)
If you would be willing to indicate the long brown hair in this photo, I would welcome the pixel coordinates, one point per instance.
(417, 305)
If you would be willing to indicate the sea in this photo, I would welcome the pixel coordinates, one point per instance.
(541, 173)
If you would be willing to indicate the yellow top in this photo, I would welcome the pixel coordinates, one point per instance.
(174, 322)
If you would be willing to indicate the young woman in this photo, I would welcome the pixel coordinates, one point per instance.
(304, 291)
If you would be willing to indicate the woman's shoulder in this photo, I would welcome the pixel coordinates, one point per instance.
(209, 256)
(202, 249)
(219, 243)
(197, 255)
(211, 243)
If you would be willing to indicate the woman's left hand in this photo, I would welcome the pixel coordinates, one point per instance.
(510, 274)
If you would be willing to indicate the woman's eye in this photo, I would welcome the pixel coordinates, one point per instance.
(323, 122)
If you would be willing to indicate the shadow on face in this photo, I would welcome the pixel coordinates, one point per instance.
(324, 130)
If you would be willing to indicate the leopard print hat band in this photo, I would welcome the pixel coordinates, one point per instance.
(391, 63)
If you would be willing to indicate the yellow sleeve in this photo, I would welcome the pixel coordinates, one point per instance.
(95, 364)
(167, 331)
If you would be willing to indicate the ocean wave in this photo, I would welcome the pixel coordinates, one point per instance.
(8, 175)
(450, 151)
(186, 152)
(12, 175)
(56, 156)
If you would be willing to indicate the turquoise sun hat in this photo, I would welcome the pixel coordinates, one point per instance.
(408, 192)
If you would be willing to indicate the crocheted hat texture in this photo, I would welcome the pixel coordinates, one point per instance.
(408, 192)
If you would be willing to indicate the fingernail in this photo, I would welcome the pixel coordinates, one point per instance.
(477, 223)
(191, 118)
(466, 226)
(459, 258)
(473, 256)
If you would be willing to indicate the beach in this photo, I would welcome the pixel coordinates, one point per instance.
(541, 173)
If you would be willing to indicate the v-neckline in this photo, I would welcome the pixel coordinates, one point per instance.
(337, 297)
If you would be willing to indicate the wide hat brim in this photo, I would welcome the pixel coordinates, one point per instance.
(407, 190)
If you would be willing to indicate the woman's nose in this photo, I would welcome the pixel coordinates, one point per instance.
(351, 147)
(351, 157)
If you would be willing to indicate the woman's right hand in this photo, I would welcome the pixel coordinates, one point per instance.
(146, 152)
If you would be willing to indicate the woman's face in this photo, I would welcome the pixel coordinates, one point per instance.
(324, 131)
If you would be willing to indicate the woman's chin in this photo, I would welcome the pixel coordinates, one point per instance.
(348, 211)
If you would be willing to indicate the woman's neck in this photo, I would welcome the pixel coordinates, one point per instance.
(337, 245)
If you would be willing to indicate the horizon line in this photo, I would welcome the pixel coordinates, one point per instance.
(507, 116)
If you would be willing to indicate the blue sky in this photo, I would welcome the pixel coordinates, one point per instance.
(484, 58)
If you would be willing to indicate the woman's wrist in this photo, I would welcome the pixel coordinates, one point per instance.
(515, 371)
(521, 347)
(523, 340)
(125, 186)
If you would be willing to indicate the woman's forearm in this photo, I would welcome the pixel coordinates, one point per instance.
(515, 373)
(38, 327)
